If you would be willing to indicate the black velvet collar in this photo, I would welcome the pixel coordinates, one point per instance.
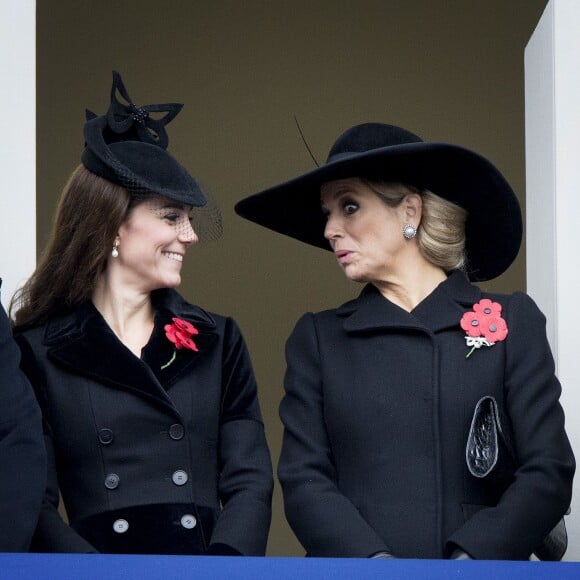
(82, 342)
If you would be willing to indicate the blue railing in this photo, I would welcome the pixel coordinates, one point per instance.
(108, 567)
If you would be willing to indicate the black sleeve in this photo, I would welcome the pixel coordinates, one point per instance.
(246, 481)
(22, 453)
(325, 521)
(52, 533)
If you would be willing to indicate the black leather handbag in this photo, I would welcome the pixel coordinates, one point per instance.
(489, 457)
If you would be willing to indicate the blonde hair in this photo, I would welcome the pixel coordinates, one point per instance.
(441, 233)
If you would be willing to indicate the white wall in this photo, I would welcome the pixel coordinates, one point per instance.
(17, 143)
(552, 68)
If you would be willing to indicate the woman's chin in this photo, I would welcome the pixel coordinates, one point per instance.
(168, 282)
(354, 275)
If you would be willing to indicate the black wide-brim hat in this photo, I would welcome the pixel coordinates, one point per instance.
(389, 153)
(128, 146)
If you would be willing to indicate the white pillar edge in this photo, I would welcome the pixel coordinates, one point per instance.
(18, 143)
(553, 204)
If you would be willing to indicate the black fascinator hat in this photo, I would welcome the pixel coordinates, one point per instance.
(388, 153)
(128, 146)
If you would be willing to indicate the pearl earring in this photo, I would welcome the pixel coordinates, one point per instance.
(115, 251)
(409, 231)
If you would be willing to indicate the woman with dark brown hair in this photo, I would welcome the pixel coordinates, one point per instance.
(422, 418)
(152, 423)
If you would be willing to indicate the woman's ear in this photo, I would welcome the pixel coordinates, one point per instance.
(413, 207)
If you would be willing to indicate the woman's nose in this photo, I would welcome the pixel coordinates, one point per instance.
(187, 234)
(332, 229)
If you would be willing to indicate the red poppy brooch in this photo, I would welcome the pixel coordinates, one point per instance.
(180, 333)
(484, 325)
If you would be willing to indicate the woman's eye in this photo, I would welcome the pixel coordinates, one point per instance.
(349, 207)
(171, 217)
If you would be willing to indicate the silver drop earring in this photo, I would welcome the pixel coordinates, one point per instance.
(115, 251)
(409, 231)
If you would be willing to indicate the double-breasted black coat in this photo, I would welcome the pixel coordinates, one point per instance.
(22, 455)
(149, 460)
(377, 411)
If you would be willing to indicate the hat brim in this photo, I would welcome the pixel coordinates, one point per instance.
(494, 223)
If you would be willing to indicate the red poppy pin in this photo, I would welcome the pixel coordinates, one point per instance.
(484, 325)
(180, 333)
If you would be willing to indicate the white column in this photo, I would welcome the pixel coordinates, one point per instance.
(17, 143)
(552, 65)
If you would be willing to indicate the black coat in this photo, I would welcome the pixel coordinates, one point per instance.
(22, 455)
(148, 460)
(377, 411)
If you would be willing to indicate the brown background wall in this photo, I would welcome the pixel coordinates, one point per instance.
(449, 70)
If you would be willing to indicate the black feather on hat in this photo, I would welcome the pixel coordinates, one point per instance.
(390, 153)
(127, 146)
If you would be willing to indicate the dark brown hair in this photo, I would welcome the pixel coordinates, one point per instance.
(89, 214)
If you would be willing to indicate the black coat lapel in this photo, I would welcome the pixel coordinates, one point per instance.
(371, 311)
(84, 343)
(159, 350)
(443, 308)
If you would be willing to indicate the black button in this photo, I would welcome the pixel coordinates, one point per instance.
(112, 481)
(105, 436)
(176, 431)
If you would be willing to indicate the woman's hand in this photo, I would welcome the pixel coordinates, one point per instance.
(460, 555)
(383, 555)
